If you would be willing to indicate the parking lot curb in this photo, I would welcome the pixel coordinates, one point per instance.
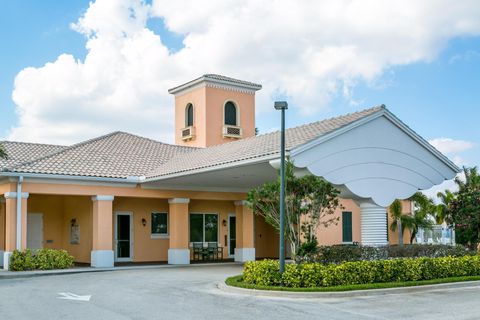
(346, 294)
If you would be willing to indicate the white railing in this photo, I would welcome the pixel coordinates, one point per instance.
(439, 234)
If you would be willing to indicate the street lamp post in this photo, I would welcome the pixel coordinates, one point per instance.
(282, 105)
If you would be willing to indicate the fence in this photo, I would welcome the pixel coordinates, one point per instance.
(437, 235)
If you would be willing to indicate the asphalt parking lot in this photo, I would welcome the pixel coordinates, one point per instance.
(192, 293)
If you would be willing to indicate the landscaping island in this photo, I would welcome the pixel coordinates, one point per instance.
(358, 275)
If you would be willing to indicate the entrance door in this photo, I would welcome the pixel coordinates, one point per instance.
(123, 236)
(34, 231)
(231, 235)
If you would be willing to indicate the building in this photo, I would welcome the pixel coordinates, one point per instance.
(121, 197)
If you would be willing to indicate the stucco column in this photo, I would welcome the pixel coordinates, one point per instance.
(2, 229)
(13, 239)
(373, 224)
(245, 250)
(102, 244)
(178, 251)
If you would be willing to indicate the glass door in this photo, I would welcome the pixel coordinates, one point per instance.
(231, 235)
(123, 237)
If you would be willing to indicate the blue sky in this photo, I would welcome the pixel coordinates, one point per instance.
(438, 96)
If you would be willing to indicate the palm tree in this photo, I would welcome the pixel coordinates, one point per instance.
(472, 179)
(398, 216)
(441, 211)
(420, 218)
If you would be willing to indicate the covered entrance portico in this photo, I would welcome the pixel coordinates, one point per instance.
(151, 226)
(374, 161)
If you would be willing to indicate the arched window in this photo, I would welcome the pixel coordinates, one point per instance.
(189, 115)
(230, 114)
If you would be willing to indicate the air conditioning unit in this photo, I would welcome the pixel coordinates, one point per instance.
(188, 133)
(232, 132)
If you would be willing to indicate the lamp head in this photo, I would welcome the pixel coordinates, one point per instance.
(281, 105)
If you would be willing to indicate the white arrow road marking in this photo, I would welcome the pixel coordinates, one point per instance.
(72, 296)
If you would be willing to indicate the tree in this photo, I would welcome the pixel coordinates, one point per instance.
(472, 179)
(3, 153)
(309, 203)
(464, 210)
(398, 216)
(441, 211)
(422, 215)
(419, 218)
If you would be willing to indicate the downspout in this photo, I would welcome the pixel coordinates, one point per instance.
(19, 213)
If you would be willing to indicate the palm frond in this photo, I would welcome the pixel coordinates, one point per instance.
(3, 152)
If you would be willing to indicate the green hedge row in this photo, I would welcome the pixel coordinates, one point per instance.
(266, 272)
(347, 253)
(43, 259)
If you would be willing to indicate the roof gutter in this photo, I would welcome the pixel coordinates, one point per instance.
(131, 179)
(215, 168)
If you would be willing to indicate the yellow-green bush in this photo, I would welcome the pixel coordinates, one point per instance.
(43, 259)
(266, 272)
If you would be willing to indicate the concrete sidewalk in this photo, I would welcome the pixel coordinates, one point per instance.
(4, 274)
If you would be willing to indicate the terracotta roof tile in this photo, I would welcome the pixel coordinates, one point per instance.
(116, 155)
(255, 147)
(19, 152)
(120, 154)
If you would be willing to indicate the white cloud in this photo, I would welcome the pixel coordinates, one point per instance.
(466, 56)
(308, 50)
(449, 146)
(446, 185)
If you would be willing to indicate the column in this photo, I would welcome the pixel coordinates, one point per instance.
(102, 244)
(245, 250)
(2, 229)
(178, 251)
(374, 226)
(13, 239)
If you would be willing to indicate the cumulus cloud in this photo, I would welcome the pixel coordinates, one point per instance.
(449, 146)
(452, 148)
(308, 51)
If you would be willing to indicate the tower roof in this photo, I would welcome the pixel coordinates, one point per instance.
(216, 80)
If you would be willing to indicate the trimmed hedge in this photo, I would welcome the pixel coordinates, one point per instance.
(266, 272)
(43, 259)
(347, 253)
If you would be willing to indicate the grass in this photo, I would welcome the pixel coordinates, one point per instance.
(237, 281)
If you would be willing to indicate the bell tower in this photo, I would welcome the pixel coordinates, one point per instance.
(214, 109)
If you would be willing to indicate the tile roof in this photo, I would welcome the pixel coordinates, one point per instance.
(216, 78)
(255, 147)
(19, 152)
(121, 155)
(115, 155)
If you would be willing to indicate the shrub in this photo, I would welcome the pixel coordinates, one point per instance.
(22, 260)
(345, 253)
(43, 259)
(266, 272)
(48, 259)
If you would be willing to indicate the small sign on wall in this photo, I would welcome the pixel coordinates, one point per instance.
(74, 232)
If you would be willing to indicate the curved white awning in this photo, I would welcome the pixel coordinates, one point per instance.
(377, 157)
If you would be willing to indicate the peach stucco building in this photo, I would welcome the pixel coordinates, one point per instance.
(125, 198)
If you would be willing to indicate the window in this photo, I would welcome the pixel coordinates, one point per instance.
(203, 227)
(346, 226)
(159, 223)
(189, 115)
(230, 114)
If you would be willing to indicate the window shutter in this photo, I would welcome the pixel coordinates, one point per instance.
(346, 226)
